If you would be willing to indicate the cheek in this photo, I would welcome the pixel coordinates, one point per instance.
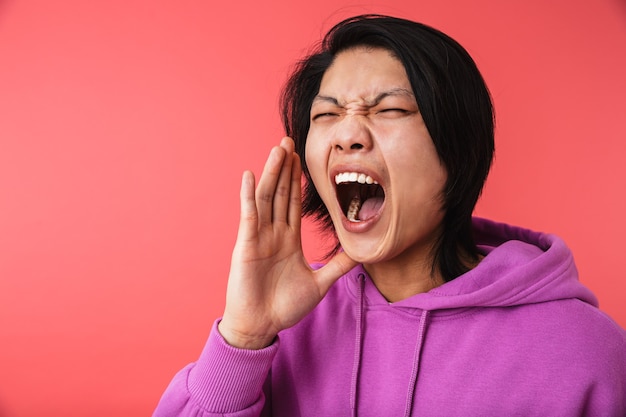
(313, 156)
(426, 170)
(316, 157)
(307, 154)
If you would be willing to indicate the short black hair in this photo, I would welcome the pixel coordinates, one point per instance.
(455, 105)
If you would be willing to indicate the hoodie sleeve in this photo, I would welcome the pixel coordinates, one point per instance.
(607, 394)
(225, 381)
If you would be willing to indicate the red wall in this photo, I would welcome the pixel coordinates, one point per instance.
(125, 125)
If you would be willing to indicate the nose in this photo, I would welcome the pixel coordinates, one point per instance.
(352, 134)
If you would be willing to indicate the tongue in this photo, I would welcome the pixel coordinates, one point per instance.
(370, 207)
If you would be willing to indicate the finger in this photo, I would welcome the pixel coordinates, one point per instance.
(267, 185)
(339, 265)
(282, 193)
(248, 217)
(287, 144)
(295, 199)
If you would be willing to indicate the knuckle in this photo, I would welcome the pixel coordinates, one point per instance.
(265, 197)
(282, 191)
(249, 216)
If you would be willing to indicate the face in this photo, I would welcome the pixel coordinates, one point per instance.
(372, 160)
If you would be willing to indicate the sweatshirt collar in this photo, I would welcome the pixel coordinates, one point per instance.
(520, 267)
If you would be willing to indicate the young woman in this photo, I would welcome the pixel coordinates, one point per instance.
(421, 310)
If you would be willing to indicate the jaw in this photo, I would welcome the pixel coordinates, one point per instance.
(392, 239)
(366, 241)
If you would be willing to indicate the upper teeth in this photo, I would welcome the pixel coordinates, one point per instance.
(354, 177)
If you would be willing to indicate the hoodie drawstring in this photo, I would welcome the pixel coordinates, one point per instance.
(416, 364)
(357, 343)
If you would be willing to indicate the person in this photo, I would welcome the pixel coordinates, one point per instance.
(421, 309)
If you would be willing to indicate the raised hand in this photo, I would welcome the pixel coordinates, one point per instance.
(271, 286)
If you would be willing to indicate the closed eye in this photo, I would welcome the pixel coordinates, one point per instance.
(323, 115)
(393, 112)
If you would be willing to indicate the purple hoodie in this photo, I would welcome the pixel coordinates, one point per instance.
(518, 335)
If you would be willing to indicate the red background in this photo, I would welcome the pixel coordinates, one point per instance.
(125, 126)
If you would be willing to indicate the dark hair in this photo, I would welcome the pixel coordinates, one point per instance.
(455, 105)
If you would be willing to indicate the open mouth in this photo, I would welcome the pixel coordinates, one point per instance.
(359, 195)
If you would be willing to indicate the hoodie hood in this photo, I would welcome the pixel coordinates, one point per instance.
(519, 267)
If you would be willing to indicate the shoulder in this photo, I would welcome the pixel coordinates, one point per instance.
(573, 333)
(585, 320)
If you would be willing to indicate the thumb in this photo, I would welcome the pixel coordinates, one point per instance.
(339, 265)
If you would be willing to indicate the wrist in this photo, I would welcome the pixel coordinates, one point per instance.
(243, 341)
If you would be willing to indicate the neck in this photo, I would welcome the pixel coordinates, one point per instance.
(399, 279)
(397, 282)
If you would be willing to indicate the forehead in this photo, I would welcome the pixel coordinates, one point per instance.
(364, 73)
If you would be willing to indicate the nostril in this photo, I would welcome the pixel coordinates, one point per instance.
(354, 147)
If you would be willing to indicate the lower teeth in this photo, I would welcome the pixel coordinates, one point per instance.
(353, 209)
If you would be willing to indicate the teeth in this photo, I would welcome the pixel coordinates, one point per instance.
(354, 177)
(353, 210)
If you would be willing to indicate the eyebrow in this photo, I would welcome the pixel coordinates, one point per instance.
(393, 92)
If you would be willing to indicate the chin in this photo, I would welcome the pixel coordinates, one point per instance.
(364, 254)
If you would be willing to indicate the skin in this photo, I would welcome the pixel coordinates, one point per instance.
(271, 286)
(365, 119)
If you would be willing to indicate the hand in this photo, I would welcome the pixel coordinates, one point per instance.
(271, 286)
